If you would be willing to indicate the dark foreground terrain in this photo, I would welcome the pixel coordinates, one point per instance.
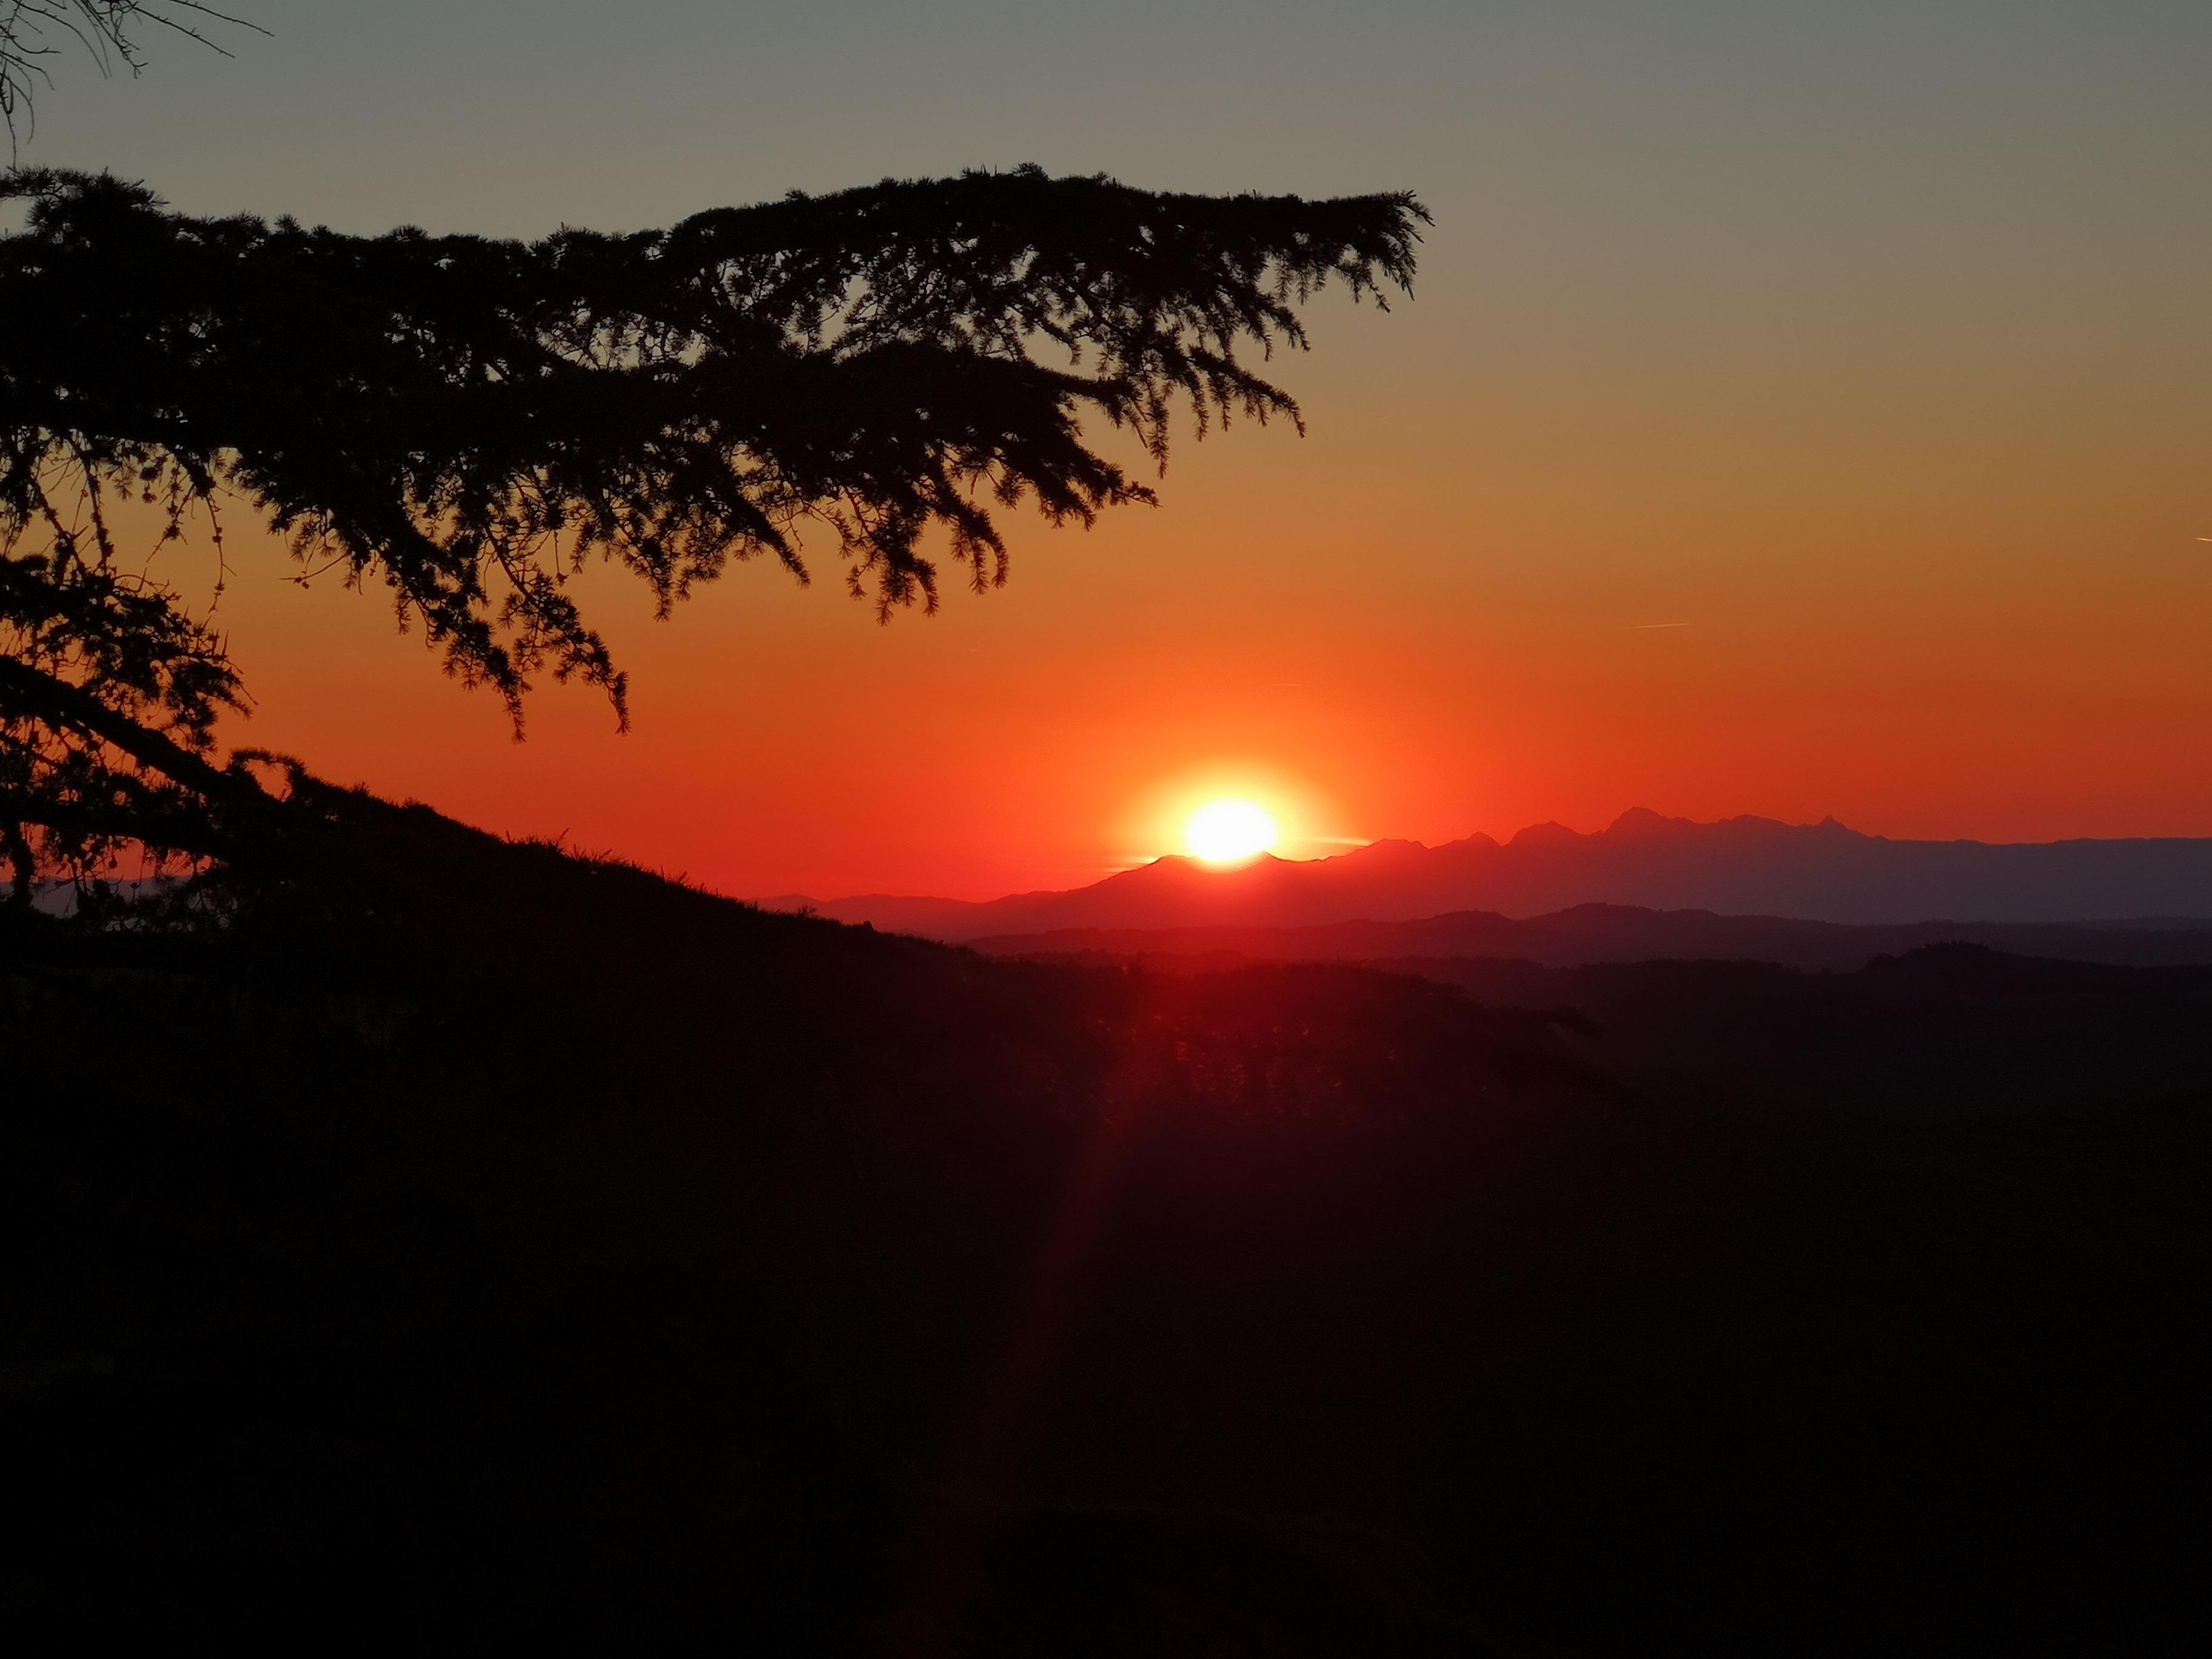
(489, 1246)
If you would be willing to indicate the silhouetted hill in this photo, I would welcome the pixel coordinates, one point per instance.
(463, 1243)
(1614, 933)
(1739, 866)
(1941, 1030)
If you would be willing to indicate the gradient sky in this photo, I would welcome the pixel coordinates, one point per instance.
(1804, 411)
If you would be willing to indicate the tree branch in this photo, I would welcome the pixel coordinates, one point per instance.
(24, 691)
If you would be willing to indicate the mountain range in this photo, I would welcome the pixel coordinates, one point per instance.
(1740, 866)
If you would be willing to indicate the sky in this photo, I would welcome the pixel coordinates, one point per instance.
(1804, 409)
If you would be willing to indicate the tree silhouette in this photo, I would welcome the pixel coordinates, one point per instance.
(469, 422)
(108, 697)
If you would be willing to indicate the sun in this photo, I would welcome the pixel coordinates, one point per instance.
(1227, 831)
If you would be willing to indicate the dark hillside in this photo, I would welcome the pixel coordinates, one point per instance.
(1941, 1030)
(472, 1243)
(1590, 933)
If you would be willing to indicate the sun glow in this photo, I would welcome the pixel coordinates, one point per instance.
(1225, 831)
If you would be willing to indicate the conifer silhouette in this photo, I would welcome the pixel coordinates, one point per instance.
(469, 422)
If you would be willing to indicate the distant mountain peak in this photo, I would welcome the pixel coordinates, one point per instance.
(1389, 847)
(1182, 869)
(1643, 821)
(1480, 841)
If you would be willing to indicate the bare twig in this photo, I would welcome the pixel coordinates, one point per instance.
(104, 28)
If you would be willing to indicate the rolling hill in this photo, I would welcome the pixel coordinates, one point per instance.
(454, 1236)
(1593, 933)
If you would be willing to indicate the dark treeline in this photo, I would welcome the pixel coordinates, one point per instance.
(465, 1241)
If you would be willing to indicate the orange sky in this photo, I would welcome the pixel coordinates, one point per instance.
(1380, 635)
(1866, 344)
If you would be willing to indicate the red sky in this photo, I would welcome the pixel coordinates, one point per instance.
(1863, 347)
(1401, 625)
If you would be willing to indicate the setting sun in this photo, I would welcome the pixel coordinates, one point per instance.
(1223, 831)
